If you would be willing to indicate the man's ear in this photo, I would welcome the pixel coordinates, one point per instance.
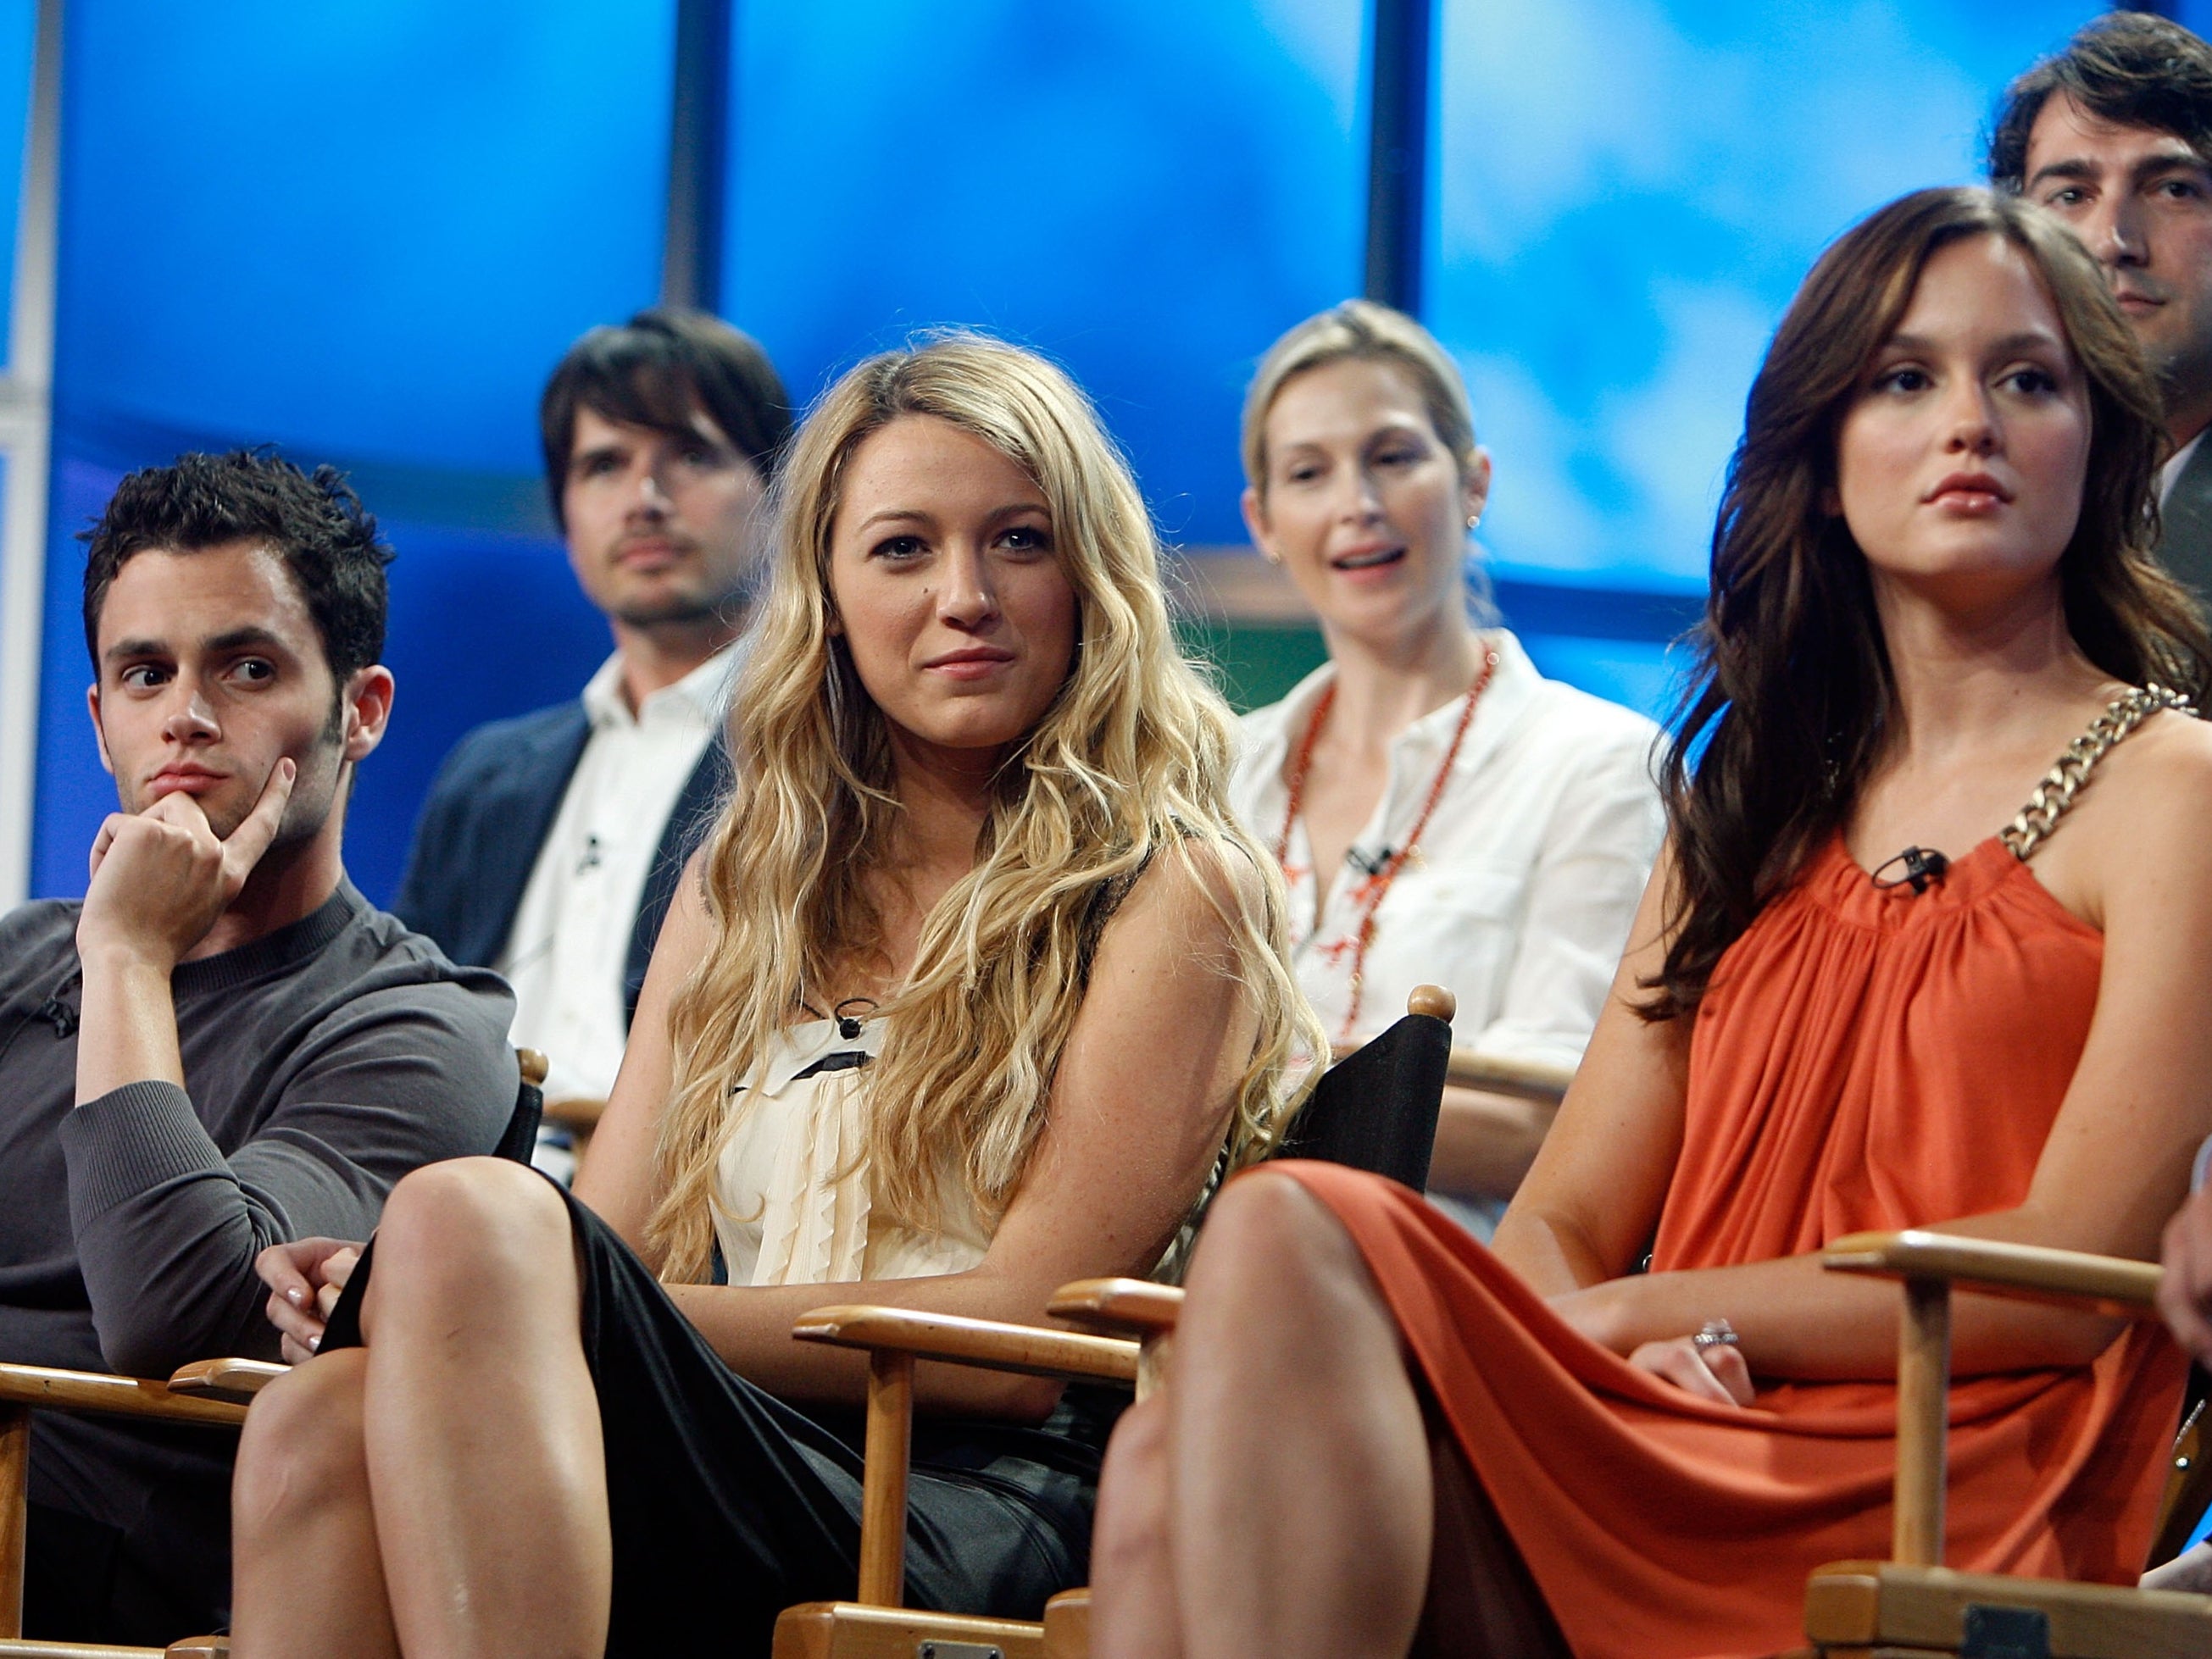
(367, 703)
(99, 731)
(1255, 524)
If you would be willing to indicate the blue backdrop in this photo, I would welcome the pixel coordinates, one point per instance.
(366, 230)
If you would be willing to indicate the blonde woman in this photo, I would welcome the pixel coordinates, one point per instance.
(974, 988)
(1441, 811)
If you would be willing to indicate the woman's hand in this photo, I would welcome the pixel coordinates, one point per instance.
(1604, 1312)
(1715, 1373)
(304, 1278)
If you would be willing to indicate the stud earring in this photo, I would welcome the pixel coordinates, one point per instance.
(1472, 519)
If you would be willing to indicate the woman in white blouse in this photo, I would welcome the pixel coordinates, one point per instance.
(1443, 812)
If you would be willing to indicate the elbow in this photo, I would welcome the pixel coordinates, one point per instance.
(146, 1335)
(2039, 1339)
(2086, 1337)
(134, 1345)
(998, 1396)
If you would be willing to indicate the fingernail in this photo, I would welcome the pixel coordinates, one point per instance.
(295, 1296)
(315, 1344)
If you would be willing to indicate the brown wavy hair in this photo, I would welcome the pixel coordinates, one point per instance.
(1790, 703)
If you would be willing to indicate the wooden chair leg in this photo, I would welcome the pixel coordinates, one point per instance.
(15, 1505)
(1923, 1381)
(889, 1448)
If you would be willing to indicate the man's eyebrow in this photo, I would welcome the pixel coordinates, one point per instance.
(2166, 160)
(123, 649)
(238, 639)
(2077, 167)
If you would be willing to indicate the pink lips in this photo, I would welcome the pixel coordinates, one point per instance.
(1969, 492)
(182, 780)
(1382, 570)
(975, 663)
(648, 553)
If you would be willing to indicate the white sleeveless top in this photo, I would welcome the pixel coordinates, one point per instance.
(791, 1186)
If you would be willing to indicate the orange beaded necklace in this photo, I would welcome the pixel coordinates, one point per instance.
(1371, 891)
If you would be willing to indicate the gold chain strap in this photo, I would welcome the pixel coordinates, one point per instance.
(2063, 780)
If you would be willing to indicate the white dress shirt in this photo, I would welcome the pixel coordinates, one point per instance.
(2176, 463)
(1517, 898)
(570, 942)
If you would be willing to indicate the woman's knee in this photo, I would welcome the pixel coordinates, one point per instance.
(475, 1221)
(1265, 1229)
(301, 1450)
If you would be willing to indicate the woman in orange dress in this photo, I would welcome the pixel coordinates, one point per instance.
(1929, 578)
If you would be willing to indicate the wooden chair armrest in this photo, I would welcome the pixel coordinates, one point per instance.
(1136, 1305)
(225, 1379)
(2033, 1272)
(1030, 1349)
(1525, 1080)
(575, 1113)
(117, 1396)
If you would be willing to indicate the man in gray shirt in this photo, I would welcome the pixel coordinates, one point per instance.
(223, 1046)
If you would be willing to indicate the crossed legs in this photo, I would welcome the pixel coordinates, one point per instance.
(442, 1489)
(1291, 1474)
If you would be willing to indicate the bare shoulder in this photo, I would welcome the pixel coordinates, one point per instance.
(2161, 774)
(1194, 878)
(2142, 824)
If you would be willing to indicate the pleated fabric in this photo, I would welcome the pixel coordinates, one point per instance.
(1864, 1058)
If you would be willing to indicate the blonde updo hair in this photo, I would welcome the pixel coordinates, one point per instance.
(1131, 762)
(1365, 331)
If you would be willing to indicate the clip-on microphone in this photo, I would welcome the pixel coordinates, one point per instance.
(1922, 866)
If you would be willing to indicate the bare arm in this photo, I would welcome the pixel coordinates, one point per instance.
(1138, 1108)
(2114, 1169)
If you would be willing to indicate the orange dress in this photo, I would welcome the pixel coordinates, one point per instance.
(1863, 1058)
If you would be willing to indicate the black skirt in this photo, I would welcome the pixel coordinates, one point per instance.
(728, 1505)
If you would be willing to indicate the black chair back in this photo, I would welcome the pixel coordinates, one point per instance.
(520, 1139)
(1375, 1109)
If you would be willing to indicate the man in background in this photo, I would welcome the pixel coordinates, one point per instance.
(224, 1046)
(2114, 135)
(551, 843)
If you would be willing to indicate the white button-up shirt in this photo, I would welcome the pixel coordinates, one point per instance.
(1519, 896)
(570, 942)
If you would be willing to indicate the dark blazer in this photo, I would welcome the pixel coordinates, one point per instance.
(2184, 543)
(490, 808)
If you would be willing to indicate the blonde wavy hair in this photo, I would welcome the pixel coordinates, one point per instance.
(1130, 762)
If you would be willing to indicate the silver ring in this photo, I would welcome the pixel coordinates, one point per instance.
(1717, 1333)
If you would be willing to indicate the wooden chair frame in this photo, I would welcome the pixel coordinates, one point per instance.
(214, 1392)
(876, 1623)
(1121, 1309)
(1911, 1607)
(1912, 1604)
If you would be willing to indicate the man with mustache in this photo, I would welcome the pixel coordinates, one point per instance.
(2114, 135)
(551, 843)
(224, 1046)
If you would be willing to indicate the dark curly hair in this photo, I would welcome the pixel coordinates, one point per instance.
(2132, 69)
(312, 521)
(1790, 706)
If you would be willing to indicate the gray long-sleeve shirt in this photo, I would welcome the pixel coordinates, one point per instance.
(321, 1064)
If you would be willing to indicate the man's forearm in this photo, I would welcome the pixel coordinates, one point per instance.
(127, 1031)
